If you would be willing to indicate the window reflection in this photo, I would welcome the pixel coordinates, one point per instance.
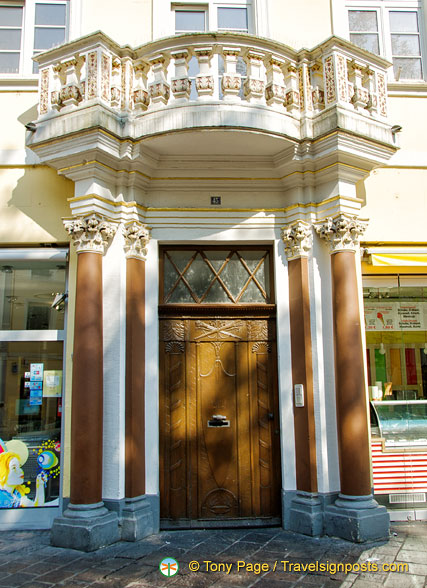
(27, 291)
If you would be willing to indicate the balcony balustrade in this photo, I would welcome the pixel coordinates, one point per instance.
(244, 72)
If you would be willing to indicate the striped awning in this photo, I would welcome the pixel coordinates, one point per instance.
(387, 257)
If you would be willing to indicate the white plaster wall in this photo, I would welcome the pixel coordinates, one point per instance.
(114, 322)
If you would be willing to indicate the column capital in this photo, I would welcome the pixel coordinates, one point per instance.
(137, 236)
(298, 239)
(342, 232)
(91, 233)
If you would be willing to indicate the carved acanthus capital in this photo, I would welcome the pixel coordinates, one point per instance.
(136, 237)
(92, 233)
(342, 232)
(297, 238)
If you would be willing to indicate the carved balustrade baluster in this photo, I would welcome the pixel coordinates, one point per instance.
(275, 89)
(140, 95)
(204, 79)
(292, 101)
(70, 92)
(231, 80)
(181, 83)
(254, 86)
(55, 94)
(116, 70)
(318, 90)
(159, 88)
(360, 95)
(369, 83)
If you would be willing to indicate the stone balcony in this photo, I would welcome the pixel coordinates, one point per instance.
(121, 106)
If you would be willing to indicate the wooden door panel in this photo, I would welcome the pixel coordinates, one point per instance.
(173, 407)
(217, 450)
(218, 369)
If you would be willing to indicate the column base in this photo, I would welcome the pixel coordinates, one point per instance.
(357, 519)
(306, 514)
(137, 519)
(85, 527)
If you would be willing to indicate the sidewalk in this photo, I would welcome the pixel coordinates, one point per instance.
(27, 559)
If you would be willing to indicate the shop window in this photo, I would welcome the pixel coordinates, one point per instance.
(32, 294)
(30, 423)
(27, 291)
(396, 337)
(28, 28)
(389, 29)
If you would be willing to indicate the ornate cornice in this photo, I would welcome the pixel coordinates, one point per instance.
(136, 237)
(342, 232)
(91, 233)
(298, 239)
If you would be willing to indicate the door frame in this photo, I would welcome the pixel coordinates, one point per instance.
(247, 311)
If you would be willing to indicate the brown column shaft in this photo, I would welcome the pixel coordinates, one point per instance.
(302, 373)
(135, 378)
(353, 434)
(87, 400)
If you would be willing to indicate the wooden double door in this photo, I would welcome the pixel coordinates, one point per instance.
(219, 422)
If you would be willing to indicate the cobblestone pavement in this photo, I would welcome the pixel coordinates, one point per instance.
(27, 559)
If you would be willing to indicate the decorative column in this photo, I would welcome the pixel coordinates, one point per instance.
(137, 519)
(305, 514)
(355, 515)
(86, 524)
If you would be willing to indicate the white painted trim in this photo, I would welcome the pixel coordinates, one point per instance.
(34, 254)
(114, 339)
(152, 447)
(261, 18)
(75, 20)
(328, 478)
(48, 335)
(284, 363)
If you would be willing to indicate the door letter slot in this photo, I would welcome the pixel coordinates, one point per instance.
(218, 420)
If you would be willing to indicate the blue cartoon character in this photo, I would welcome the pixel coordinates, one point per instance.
(13, 491)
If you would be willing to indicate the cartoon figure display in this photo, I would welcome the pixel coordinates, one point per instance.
(13, 491)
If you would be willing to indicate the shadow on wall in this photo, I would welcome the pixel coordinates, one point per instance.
(37, 204)
(33, 198)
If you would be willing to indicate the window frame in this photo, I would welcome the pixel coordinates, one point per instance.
(164, 15)
(27, 50)
(383, 8)
(21, 517)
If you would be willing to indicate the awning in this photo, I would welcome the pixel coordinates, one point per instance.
(394, 259)
(388, 257)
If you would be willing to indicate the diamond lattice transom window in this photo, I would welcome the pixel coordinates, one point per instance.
(216, 276)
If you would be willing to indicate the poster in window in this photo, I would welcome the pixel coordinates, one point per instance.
(52, 384)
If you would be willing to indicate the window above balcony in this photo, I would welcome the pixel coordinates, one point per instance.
(212, 15)
(392, 29)
(28, 28)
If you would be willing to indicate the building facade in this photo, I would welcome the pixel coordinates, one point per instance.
(213, 266)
